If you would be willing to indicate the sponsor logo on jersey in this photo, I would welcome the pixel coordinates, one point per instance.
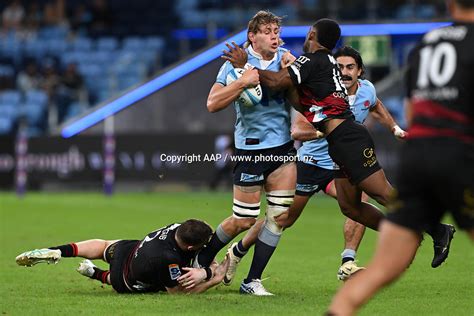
(372, 159)
(366, 103)
(175, 272)
(306, 187)
(368, 152)
(245, 177)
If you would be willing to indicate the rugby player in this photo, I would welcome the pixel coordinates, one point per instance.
(159, 262)
(324, 102)
(315, 169)
(441, 132)
(263, 129)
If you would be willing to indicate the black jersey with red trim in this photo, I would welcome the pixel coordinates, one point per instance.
(439, 84)
(157, 261)
(322, 95)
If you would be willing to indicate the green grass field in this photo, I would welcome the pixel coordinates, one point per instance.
(302, 272)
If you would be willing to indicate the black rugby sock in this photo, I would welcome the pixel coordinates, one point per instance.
(210, 251)
(100, 275)
(69, 250)
(240, 250)
(262, 255)
(436, 231)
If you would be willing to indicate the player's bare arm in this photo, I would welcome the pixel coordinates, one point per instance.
(221, 96)
(381, 114)
(192, 281)
(303, 130)
(236, 55)
(277, 81)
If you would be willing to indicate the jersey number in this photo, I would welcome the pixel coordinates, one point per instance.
(335, 75)
(431, 68)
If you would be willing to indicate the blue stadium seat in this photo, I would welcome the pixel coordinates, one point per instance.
(107, 44)
(82, 44)
(36, 97)
(56, 46)
(103, 58)
(6, 125)
(155, 43)
(9, 110)
(91, 70)
(57, 32)
(126, 81)
(10, 46)
(7, 71)
(134, 43)
(75, 109)
(35, 48)
(34, 113)
(10, 97)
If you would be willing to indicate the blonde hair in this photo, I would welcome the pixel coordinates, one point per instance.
(262, 18)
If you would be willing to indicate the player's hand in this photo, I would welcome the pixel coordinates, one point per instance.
(287, 59)
(221, 269)
(192, 277)
(398, 132)
(236, 55)
(250, 78)
(319, 134)
(285, 220)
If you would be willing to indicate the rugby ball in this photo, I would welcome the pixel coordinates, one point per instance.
(248, 97)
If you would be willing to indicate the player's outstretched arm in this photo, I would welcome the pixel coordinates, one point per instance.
(277, 81)
(381, 114)
(218, 273)
(221, 96)
(303, 130)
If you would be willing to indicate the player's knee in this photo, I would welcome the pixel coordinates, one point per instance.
(278, 202)
(349, 209)
(244, 214)
(243, 224)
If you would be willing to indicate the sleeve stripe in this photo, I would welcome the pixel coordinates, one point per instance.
(296, 72)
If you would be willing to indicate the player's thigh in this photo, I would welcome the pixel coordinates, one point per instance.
(348, 195)
(377, 186)
(283, 178)
(247, 194)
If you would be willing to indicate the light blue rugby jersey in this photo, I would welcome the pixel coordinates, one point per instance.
(267, 124)
(315, 152)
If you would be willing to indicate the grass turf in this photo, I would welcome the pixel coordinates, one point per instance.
(302, 272)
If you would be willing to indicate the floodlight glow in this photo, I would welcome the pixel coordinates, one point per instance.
(214, 52)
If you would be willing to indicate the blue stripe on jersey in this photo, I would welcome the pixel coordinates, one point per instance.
(315, 152)
(269, 121)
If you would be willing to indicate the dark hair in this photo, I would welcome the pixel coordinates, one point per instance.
(466, 4)
(328, 32)
(262, 18)
(194, 232)
(351, 52)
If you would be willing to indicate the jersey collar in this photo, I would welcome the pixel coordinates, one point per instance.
(258, 56)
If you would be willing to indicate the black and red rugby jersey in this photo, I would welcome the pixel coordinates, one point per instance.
(440, 84)
(322, 94)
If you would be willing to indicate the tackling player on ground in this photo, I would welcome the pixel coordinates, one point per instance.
(440, 98)
(153, 264)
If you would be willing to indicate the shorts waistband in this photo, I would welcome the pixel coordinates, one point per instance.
(338, 130)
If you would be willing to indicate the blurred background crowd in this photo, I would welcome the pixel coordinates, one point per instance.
(59, 57)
